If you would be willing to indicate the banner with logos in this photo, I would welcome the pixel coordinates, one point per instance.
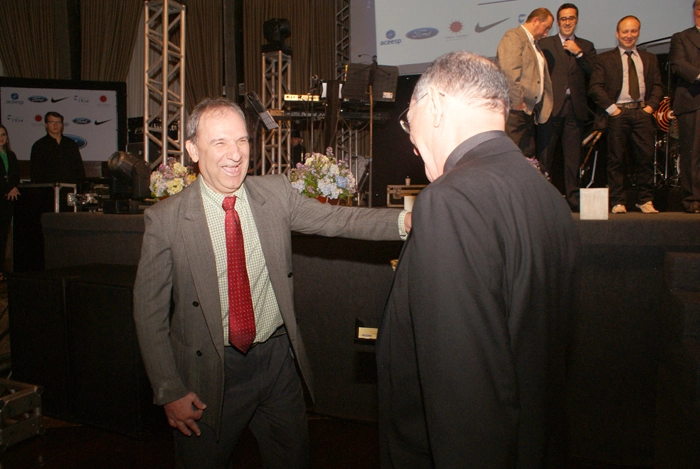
(91, 112)
(417, 32)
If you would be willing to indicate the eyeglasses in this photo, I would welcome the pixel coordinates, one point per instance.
(566, 19)
(404, 122)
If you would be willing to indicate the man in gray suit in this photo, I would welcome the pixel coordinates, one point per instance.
(183, 298)
(529, 85)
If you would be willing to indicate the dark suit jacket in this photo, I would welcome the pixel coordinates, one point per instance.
(8, 180)
(606, 79)
(685, 64)
(472, 345)
(566, 71)
(184, 350)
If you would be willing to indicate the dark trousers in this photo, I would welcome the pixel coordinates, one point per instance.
(6, 211)
(689, 130)
(520, 127)
(263, 392)
(567, 129)
(633, 129)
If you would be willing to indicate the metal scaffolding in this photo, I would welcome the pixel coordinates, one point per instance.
(342, 37)
(276, 76)
(164, 81)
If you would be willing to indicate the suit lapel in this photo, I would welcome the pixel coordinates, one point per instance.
(264, 220)
(202, 264)
(694, 37)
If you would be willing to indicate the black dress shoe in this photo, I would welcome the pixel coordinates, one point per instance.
(693, 207)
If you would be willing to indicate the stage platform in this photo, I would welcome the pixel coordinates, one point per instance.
(619, 344)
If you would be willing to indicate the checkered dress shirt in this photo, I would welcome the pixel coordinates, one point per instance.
(267, 313)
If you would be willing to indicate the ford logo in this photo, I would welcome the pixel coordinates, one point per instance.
(82, 143)
(37, 99)
(422, 33)
(81, 120)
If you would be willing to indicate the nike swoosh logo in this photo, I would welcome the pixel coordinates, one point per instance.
(101, 122)
(60, 99)
(481, 29)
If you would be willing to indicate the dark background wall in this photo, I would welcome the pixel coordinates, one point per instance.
(393, 157)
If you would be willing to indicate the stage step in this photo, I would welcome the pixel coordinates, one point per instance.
(682, 277)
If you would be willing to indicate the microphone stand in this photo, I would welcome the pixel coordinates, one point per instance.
(372, 73)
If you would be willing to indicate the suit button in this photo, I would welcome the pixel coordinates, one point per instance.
(289, 275)
(195, 304)
(199, 353)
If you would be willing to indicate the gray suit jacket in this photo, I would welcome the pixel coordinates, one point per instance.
(182, 345)
(518, 61)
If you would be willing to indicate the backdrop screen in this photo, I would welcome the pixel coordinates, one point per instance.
(414, 32)
(94, 114)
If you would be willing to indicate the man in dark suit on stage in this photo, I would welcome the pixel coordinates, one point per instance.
(685, 63)
(529, 86)
(626, 86)
(473, 341)
(213, 299)
(570, 63)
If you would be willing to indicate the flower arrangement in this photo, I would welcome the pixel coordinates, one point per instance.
(170, 178)
(322, 176)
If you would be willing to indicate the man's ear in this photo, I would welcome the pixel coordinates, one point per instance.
(435, 105)
(192, 150)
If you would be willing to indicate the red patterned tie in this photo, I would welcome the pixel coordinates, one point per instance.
(241, 319)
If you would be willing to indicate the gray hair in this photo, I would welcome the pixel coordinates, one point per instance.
(208, 104)
(469, 77)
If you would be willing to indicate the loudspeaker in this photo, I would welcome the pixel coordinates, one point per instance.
(110, 388)
(84, 350)
(39, 339)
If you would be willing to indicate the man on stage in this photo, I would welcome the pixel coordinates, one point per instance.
(213, 298)
(685, 63)
(55, 158)
(626, 85)
(529, 86)
(570, 63)
(473, 341)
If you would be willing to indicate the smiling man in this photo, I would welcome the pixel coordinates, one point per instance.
(570, 63)
(213, 299)
(529, 85)
(472, 344)
(626, 86)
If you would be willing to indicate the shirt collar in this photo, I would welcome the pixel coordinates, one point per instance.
(623, 51)
(218, 199)
(529, 36)
(563, 39)
(468, 145)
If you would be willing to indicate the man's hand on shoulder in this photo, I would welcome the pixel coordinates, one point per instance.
(184, 412)
(407, 222)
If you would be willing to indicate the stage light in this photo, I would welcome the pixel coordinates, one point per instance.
(132, 171)
(276, 30)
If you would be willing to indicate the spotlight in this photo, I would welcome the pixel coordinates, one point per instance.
(134, 172)
(276, 30)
